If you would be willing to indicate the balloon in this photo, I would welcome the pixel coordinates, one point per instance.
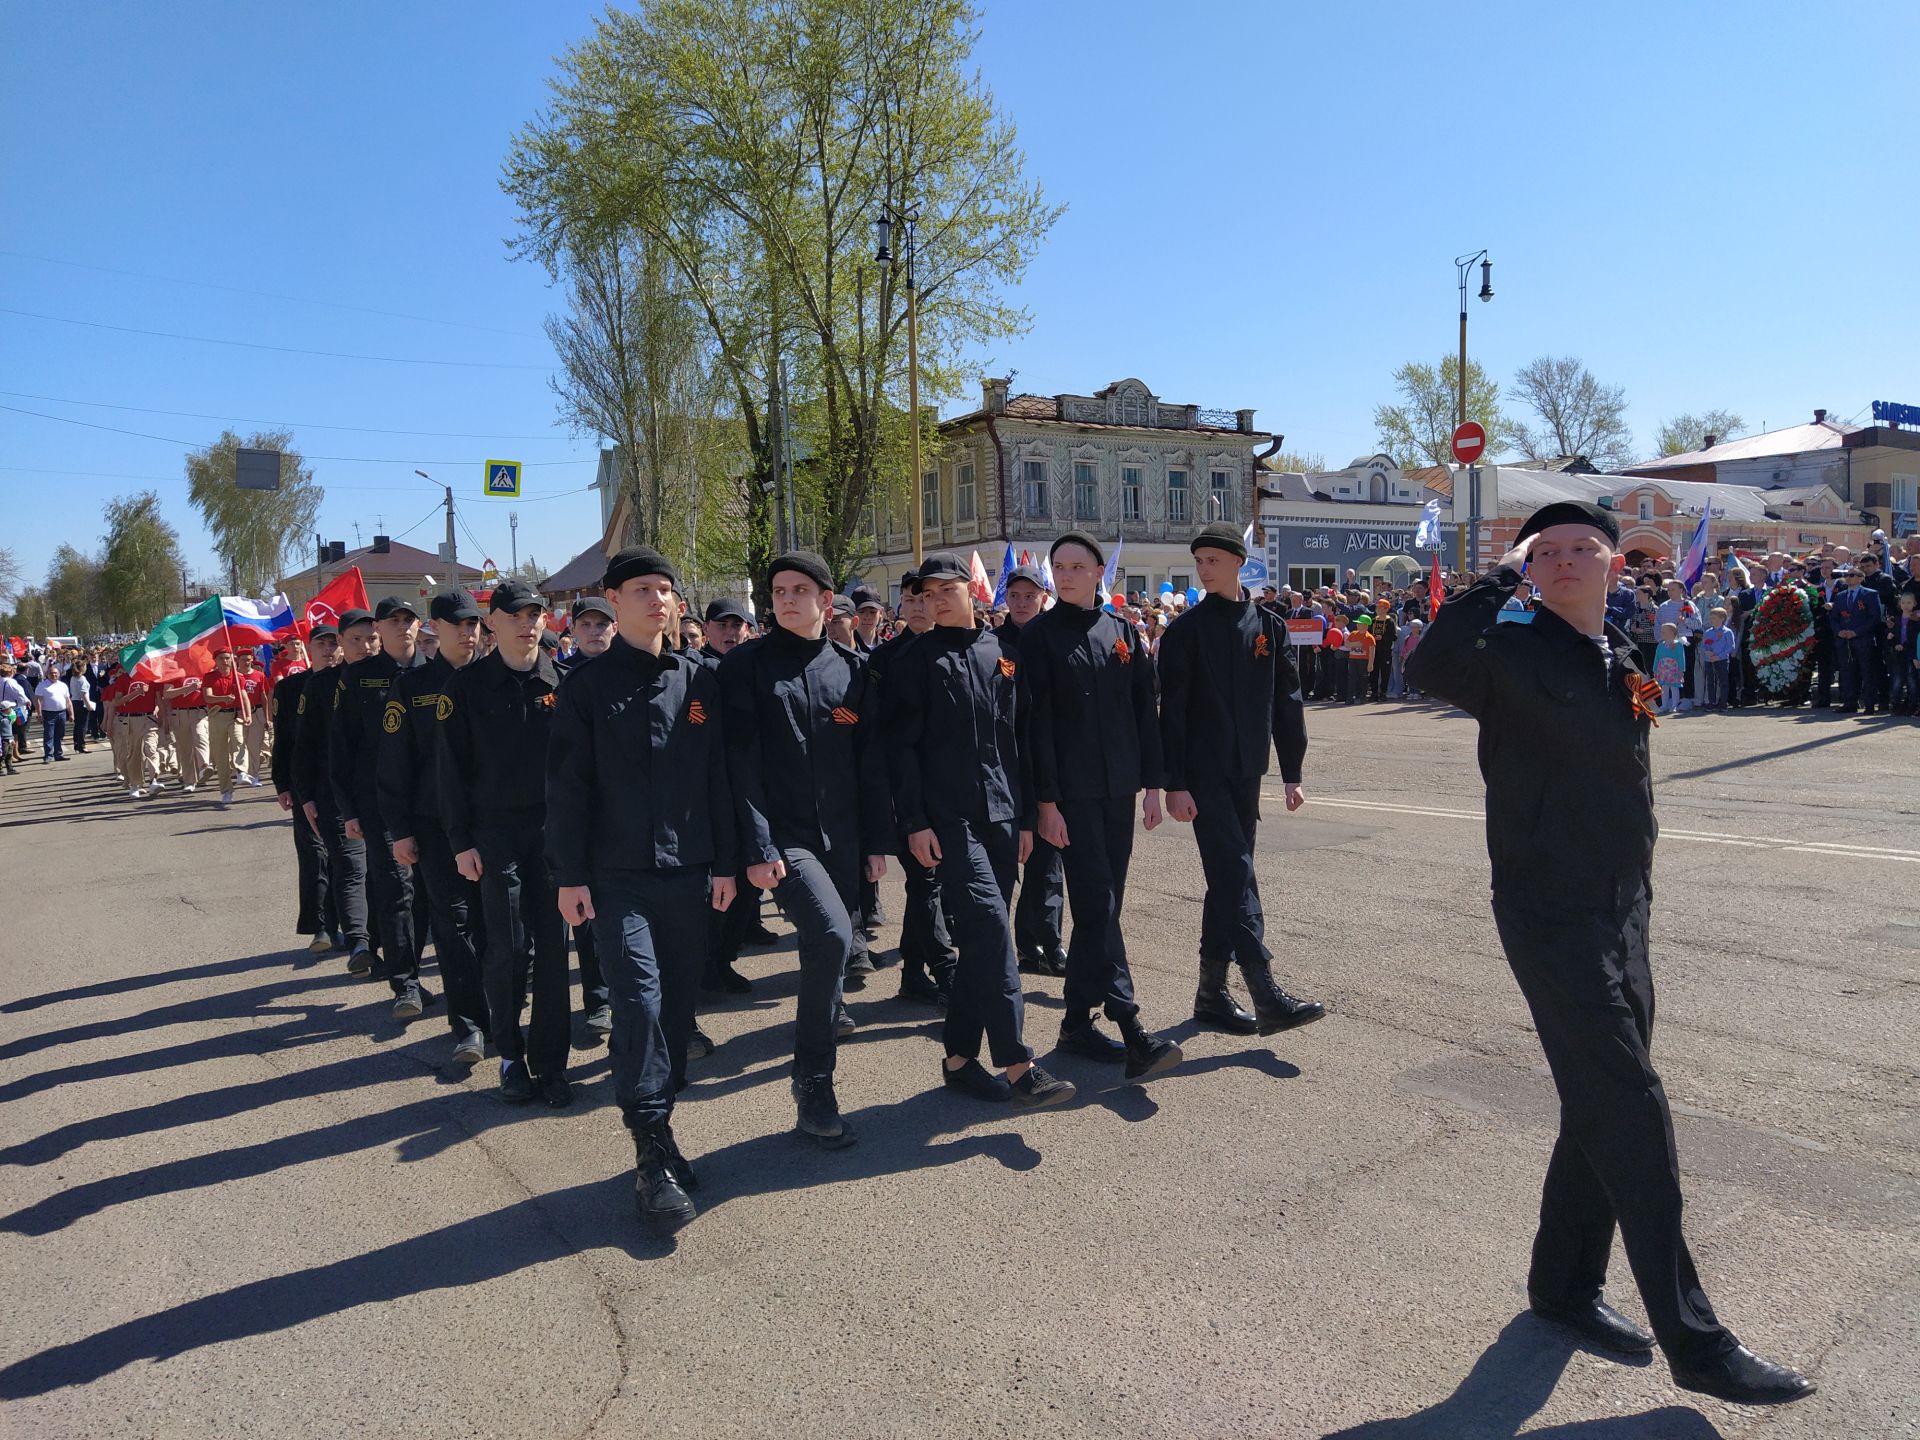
(1336, 638)
(1193, 594)
(1166, 587)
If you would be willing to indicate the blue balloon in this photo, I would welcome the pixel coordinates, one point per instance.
(1193, 594)
(1166, 587)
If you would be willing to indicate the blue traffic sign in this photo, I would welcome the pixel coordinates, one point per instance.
(503, 478)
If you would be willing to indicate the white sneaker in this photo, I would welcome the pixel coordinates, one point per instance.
(186, 789)
(136, 794)
(226, 800)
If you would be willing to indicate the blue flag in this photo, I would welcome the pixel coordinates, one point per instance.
(1006, 569)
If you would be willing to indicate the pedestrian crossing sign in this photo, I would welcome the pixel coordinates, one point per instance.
(503, 478)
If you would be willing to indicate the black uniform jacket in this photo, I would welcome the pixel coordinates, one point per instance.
(636, 768)
(407, 764)
(1228, 688)
(950, 718)
(354, 740)
(493, 740)
(315, 712)
(1563, 747)
(1093, 717)
(287, 691)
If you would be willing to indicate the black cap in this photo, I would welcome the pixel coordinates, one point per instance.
(514, 596)
(549, 640)
(843, 605)
(635, 561)
(803, 562)
(944, 566)
(727, 610)
(355, 616)
(910, 583)
(1220, 536)
(1029, 573)
(323, 632)
(592, 605)
(453, 605)
(1078, 537)
(863, 597)
(393, 605)
(1571, 512)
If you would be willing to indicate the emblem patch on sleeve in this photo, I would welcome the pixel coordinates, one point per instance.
(445, 708)
(394, 717)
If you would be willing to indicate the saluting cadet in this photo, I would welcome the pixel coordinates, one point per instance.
(346, 856)
(353, 739)
(950, 721)
(1564, 715)
(1093, 738)
(1036, 918)
(407, 779)
(809, 788)
(926, 947)
(643, 845)
(316, 917)
(228, 711)
(591, 624)
(492, 793)
(1230, 697)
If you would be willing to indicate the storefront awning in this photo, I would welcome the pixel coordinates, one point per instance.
(1396, 568)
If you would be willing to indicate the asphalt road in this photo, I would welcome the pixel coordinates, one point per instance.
(239, 1200)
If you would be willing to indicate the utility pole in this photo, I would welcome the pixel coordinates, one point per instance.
(453, 555)
(513, 524)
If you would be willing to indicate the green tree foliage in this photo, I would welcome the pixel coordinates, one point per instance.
(254, 531)
(751, 143)
(140, 563)
(1296, 462)
(73, 591)
(9, 573)
(1574, 414)
(1419, 430)
(1684, 434)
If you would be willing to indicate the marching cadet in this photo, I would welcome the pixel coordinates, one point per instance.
(1093, 733)
(1036, 918)
(727, 625)
(228, 713)
(346, 855)
(868, 611)
(407, 779)
(643, 846)
(1564, 714)
(188, 725)
(316, 916)
(136, 744)
(592, 624)
(499, 713)
(251, 742)
(926, 947)
(809, 787)
(1230, 697)
(353, 757)
(843, 623)
(950, 719)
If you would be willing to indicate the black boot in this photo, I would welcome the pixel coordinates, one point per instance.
(819, 1118)
(1147, 1055)
(720, 978)
(1213, 1002)
(657, 1191)
(1274, 1008)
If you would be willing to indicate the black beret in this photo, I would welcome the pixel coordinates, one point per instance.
(1220, 536)
(803, 562)
(393, 605)
(1571, 512)
(728, 610)
(355, 616)
(944, 567)
(1029, 573)
(514, 596)
(321, 632)
(1080, 538)
(592, 605)
(634, 561)
(453, 605)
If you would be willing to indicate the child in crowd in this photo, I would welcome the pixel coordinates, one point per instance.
(1903, 683)
(1670, 667)
(1717, 645)
(1360, 645)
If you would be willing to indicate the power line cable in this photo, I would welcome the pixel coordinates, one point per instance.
(277, 349)
(272, 424)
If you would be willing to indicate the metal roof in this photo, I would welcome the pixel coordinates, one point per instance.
(1794, 440)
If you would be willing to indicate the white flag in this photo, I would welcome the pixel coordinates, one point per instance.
(1427, 537)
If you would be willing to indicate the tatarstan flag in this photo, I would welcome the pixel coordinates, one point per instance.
(180, 645)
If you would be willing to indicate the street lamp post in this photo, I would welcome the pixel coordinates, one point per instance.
(1463, 266)
(883, 255)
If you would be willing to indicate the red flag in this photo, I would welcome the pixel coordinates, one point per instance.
(17, 647)
(980, 587)
(346, 591)
(1433, 590)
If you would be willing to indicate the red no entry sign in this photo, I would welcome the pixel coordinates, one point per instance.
(1469, 441)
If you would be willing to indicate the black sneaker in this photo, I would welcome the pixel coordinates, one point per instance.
(1088, 1039)
(1149, 1055)
(556, 1092)
(360, 961)
(858, 969)
(699, 1044)
(408, 1004)
(916, 984)
(843, 1025)
(600, 1021)
(720, 978)
(819, 1112)
(516, 1082)
(758, 937)
(977, 1081)
(1037, 1089)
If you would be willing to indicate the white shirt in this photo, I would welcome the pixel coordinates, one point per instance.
(53, 695)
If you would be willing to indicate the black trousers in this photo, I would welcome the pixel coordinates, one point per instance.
(1036, 918)
(593, 985)
(526, 947)
(925, 940)
(1099, 849)
(347, 870)
(977, 864)
(819, 898)
(390, 911)
(1859, 674)
(1233, 926)
(1585, 976)
(459, 932)
(727, 929)
(650, 927)
(310, 862)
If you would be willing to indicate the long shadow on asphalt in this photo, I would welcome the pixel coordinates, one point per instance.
(1506, 1388)
(127, 983)
(895, 1139)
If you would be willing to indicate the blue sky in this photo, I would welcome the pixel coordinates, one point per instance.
(1703, 201)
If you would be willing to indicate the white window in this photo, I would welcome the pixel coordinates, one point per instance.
(1311, 577)
(930, 500)
(1130, 492)
(1646, 507)
(1177, 500)
(1086, 490)
(1033, 479)
(963, 495)
(1220, 495)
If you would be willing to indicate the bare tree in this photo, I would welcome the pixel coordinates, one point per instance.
(9, 573)
(1577, 414)
(1419, 430)
(1296, 462)
(1684, 434)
